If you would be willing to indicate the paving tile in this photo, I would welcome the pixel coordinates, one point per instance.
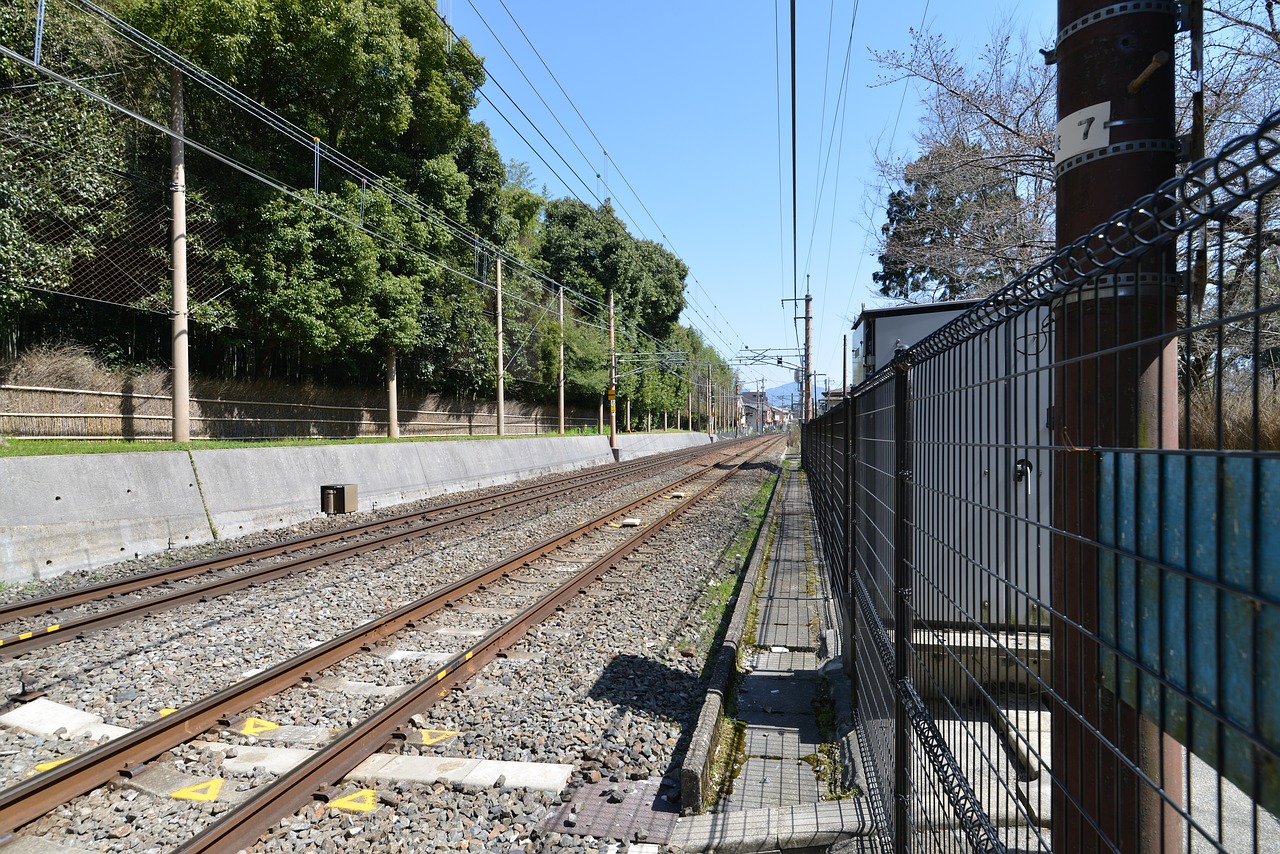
(628, 811)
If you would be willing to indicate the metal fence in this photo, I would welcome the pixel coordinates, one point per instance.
(58, 413)
(1055, 528)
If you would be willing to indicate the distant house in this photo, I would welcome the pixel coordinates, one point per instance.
(831, 397)
(758, 411)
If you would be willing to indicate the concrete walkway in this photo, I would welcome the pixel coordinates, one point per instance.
(778, 802)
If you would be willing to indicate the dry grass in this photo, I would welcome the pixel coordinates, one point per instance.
(1238, 422)
(135, 405)
(74, 366)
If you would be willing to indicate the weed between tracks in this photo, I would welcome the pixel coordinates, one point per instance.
(710, 614)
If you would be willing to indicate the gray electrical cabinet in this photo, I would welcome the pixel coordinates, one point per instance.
(982, 454)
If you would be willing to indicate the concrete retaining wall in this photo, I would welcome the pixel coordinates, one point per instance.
(251, 489)
(74, 512)
(632, 445)
(64, 513)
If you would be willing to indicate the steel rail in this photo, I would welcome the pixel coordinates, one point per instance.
(35, 796)
(80, 595)
(55, 633)
(244, 825)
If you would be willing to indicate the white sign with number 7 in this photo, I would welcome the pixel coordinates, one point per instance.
(1083, 130)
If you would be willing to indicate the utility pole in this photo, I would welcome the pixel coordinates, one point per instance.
(1115, 143)
(808, 352)
(178, 248)
(759, 406)
(502, 407)
(560, 381)
(711, 424)
(613, 384)
(393, 397)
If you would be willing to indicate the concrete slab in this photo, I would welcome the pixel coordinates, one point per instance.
(277, 760)
(772, 782)
(782, 661)
(164, 783)
(415, 655)
(40, 845)
(538, 776)
(483, 773)
(358, 689)
(779, 742)
(81, 511)
(422, 769)
(985, 757)
(290, 734)
(45, 717)
(808, 825)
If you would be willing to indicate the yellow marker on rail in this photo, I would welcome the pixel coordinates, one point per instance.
(256, 726)
(206, 791)
(364, 800)
(53, 763)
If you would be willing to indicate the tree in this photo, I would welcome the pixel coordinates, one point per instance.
(975, 208)
(953, 229)
(306, 278)
(990, 124)
(590, 251)
(61, 190)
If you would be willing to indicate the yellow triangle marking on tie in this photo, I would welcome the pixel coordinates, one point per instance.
(164, 713)
(364, 800)
(431, 736)
(206, 791)
(53, 763)
(257, 726)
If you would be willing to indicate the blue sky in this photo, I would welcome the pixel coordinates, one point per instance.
(684, 97)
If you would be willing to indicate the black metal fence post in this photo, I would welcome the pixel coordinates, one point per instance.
(850, 521)
(902, 611)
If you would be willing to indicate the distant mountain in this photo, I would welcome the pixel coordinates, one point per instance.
(784, 395)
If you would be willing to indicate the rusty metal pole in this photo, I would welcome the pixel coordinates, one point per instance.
(1115, 143)
(808, 356)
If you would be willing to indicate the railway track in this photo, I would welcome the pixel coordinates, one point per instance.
(124, 756)
(318, 549)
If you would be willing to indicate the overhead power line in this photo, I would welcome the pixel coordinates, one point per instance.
(609, 159)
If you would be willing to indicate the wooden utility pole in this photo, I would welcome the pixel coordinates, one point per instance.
(1115, 143)
(178, 249)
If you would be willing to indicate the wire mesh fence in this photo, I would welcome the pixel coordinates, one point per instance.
(1056, 526)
